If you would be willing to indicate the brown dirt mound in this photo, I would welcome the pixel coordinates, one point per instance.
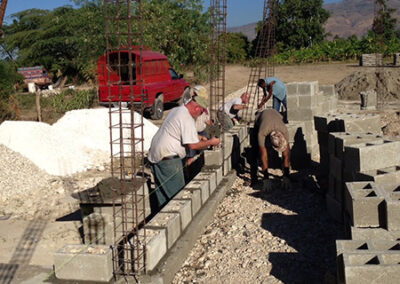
(386, 82)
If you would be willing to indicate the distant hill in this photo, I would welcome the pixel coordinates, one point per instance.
(348, 17)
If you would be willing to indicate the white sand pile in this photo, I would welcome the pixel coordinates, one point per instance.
(78, 141)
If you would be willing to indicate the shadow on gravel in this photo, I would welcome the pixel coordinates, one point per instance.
(308, 230)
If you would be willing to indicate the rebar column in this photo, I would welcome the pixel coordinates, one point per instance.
(381, 90)
(218, 11)
(263, 65)
(124, 38)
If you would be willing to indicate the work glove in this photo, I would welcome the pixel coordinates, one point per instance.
(267, 182)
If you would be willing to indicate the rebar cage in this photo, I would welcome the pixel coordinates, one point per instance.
(217, 51)
(124, 43)
(263, 65)
(381, 90)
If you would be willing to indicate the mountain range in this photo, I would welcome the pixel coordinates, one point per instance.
(348, 17)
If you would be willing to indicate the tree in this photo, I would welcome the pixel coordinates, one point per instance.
(237, 47)
(384, 24)
(300, 23)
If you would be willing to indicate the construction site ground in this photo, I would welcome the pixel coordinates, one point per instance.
(254, 237)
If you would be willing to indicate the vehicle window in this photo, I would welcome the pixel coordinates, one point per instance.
(121, 67)
(173, 74)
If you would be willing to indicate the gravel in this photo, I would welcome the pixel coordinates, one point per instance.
(259, 237)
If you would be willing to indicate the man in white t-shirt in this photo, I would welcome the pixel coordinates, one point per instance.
(228, 113)
(169, 147)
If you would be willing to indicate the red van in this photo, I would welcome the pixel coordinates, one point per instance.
(161, 84)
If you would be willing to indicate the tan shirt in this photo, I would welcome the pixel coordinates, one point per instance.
(270, 120)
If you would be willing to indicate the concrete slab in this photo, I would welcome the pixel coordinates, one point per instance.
(84, 263)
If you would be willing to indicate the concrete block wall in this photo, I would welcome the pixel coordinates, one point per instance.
(306, 100)
(372, 261)
(371, 59)
(166, 227)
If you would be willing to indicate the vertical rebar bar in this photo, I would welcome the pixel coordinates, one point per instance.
(263, 65)
(218, 14)
(124, 47)
(379, 53)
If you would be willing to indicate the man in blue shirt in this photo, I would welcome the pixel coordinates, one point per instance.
(276, 88)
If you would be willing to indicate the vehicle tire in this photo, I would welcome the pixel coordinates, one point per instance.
(157, 109)
(186, 96)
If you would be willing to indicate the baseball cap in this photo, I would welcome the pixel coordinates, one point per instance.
(278, 141)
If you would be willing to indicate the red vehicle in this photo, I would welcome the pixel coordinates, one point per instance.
(161, 84)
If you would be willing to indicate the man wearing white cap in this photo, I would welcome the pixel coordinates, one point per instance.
(169, 147)
(269, 129)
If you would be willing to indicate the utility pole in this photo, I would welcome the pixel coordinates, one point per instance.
(3, 5)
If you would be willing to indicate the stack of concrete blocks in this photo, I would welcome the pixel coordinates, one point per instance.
(368, 100)
(306, 100)
(166, 227)
(368, 261)
(396, 59)
(373, 59)
(344, 122)
(98, 215)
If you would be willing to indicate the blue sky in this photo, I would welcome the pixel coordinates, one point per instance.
(240, 12)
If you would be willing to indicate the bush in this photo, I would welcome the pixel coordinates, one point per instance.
(9, 77)
(70, 100)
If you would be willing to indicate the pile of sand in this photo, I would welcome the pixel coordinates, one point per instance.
(385, 82)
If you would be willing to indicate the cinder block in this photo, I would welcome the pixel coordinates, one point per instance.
(84, 263)
(99, 229)
(323, 139)
(308, 88)
(227, 165)
(210, 177)
(295, 128)
(217, 172)
(156, 246)
(374, 234)
(292, 101)
(203, 186)
(392, 199)
(291, 89)
(343, 139)
(213, 157)
(371, 156)
(364, 203)
(328, 90)
(348, 122)
(194, 195)
(381, 176)
(335, 167)
(300, 114)
(183, 208)
(228, 144)
(170, 222)
(307, 101)
(370, 268)
(334, 208)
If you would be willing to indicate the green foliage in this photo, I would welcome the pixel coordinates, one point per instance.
(237, 47)
(9, 77)
(70, 100)
(300, 23)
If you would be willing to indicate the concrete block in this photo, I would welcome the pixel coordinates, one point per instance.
(334, 208)
(227, 166)
(211, 178)
(170, 222)
(183, 208)
(203, 186)
(295, 127)
(307, 101)
(370, 268)
(374, 234)
(84, 263)
(364, 201)
(371, 156)
(367, 246)
(368, 100)
(348, 122)
(228, 144)
(213, 157)
(291, 89)
(194, 195)
(335, 167)
(217, 172)
(328, 90)
(392, 199)
(99, 229)
(300, 114)
(323, 138)
(340, 140)
(292, 101)
(381, 176)
(308, 88)
(156, 246)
